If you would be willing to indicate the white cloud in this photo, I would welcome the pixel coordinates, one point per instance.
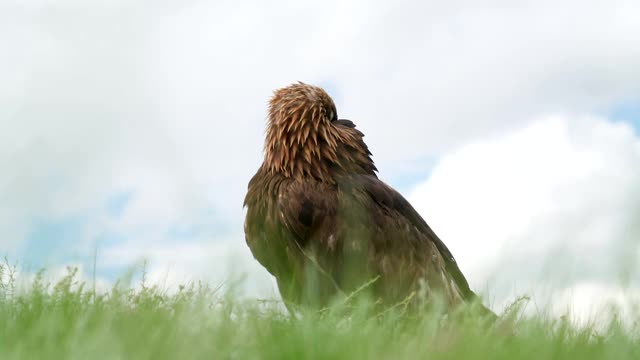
(547, 206)
(168, 101)
(596, 303)
(23, 279)
(169, 264)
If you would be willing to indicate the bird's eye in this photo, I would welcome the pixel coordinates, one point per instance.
(333, 116)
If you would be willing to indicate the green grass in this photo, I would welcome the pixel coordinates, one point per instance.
(66, 320)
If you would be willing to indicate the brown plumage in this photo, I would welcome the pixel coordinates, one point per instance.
(319, 219)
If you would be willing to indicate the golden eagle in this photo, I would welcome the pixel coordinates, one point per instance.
(320, 221)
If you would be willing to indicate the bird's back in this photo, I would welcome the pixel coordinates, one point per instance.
(321, 240)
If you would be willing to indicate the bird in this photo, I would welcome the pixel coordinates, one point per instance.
(320, 220)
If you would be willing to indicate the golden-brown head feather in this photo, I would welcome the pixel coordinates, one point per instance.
(305, 137)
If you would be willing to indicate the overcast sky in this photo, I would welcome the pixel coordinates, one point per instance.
(133, 127)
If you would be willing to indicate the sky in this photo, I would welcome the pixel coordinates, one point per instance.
(130, 130)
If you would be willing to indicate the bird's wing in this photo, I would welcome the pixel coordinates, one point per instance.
(361, 228)
(309, 212)
(401, 238)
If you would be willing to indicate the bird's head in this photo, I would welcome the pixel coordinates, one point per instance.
(305, 137)
(299, 105)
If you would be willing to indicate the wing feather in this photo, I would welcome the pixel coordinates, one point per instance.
(389, 199)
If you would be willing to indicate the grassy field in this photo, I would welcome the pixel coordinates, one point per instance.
(66, 320)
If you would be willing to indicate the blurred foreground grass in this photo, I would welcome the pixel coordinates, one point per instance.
(66, 320)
